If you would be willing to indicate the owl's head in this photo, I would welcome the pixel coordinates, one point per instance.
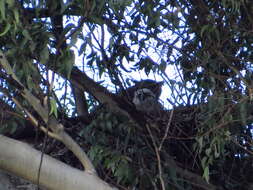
(142, 96)
(145, 100)
(153, 86)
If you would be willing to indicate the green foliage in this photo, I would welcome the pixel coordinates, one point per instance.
(12, 124)
(115, 158)
(66, 61)
(201, 49)
(9, 128)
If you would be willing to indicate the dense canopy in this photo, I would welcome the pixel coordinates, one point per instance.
(76, 62)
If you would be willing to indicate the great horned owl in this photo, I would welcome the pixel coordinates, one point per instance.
(146, 96)
(153, 86)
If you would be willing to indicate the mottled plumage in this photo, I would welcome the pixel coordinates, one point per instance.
(146, 97)
(153, 86)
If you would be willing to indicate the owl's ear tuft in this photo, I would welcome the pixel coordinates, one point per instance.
(154, 86)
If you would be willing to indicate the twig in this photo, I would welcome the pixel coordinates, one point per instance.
(167, 130)
(35, 121)
(53, 124)
(157, 151)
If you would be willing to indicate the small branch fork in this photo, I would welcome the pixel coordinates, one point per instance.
(159, 148)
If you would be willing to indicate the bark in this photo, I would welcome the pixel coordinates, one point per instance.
(80, 101)
(22, 160)
(113, 102)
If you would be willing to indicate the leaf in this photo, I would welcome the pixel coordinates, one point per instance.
(122, 171)
(208, 151)
(163, 66)
(217, 33)
(200, 141)
(65, 5)
(243, 113)
(203, 29)
(206, 174)
(69, 67)
(111, 42)
(13, 127)
(6, 29)
(216, 152)
(82, 48)
(10, 3)
(69, 27)
(2, 9)
(204, 162)
(26, 34)
(29, 82)
(67, 61)
(97, 20)
(53, 108)
(44, 55)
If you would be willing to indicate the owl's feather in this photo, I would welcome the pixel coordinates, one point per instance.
(146, 101)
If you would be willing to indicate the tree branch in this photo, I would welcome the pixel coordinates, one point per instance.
(54, 125)
(112, 101)
(54, 174)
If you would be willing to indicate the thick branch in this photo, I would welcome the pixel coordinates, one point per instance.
(24, 161)
(112, 101)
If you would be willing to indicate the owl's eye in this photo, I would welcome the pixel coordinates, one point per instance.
(146, 101)
(143, 94)
(140, 96)
(146, 95)
(153, 86)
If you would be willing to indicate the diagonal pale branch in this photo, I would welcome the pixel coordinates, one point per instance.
(54, 174)
(56, 127)
(35, 102)
(35, 122)
(72, 145)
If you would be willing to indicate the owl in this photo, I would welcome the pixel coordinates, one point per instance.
(145, 96)
(153, 86)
